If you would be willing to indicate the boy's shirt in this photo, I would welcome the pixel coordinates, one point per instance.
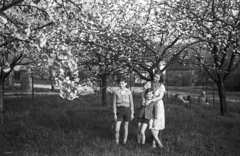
(123, 97)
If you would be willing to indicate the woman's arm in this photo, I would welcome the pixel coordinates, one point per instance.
(158, 98)
(114, 104)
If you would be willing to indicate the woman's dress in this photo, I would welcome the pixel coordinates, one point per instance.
(158, 107)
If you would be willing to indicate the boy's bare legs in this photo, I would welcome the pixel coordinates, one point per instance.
(143, 129)
(155, 137)
(139, 133)
(117, 130)
(125, 132)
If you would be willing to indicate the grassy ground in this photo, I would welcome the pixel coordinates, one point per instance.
(50, 125)
(197, 91)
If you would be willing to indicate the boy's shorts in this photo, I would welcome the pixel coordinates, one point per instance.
(142, 120)
(123, 113)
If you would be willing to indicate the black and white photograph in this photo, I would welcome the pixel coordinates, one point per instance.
(120, 77)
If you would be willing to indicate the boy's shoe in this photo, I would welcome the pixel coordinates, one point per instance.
(116, 144)
(124, 142)
(141, 145)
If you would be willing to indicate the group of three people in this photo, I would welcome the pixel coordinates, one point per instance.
(150, 114)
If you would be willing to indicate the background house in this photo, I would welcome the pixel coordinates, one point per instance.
(179, 74)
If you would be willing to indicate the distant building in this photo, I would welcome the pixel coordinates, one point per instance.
(181, 75)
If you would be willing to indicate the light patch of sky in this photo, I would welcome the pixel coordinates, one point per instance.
(235, 12)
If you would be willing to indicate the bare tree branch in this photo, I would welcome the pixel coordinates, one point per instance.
(16, 39)
(13, 3)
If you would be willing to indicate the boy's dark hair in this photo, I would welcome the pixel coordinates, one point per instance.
(147, 91)
(121, 79)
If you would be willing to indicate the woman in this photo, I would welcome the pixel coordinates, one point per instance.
(158, 122)
(202, 99)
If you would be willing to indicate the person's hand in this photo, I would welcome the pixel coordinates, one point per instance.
(115, 117)
(132, 116)
(143, 103)
(148, 102)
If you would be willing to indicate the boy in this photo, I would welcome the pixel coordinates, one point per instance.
(123, 109)
(145, 115)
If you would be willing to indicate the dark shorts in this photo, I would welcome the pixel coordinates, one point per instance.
(142, 120)
(123, 113)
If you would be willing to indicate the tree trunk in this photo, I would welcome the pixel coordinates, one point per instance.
(104, 89)
(222, 96)
(51, 78)
(2, 101)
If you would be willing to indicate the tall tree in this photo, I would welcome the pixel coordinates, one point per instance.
(216, 24)
(21, 21)
(139, 37)
(159, 34)
(147, 33)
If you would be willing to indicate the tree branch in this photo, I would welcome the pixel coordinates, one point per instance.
(27, 63)
(50, 23)
(13, 3)
(6, 17)
(149, 11)
(34, 7)
(205, 68)
(8, 41)
(145, 44)
(14, 61)
(230, 66)
(16, 39)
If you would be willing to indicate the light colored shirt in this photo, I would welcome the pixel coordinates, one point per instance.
(122, 98)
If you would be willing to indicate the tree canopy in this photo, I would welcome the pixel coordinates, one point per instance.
(70, 35)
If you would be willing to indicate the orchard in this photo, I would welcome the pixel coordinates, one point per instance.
(118, 36)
